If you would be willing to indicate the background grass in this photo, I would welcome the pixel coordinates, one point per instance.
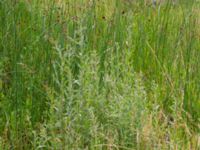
(114, 74)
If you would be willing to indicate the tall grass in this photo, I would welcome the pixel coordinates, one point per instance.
(114, 74)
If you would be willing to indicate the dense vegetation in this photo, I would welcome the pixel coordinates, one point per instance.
(99, 74)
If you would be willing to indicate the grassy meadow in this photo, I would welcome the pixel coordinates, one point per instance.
(99, 75)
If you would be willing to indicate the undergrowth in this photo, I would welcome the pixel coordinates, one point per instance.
(86, 74)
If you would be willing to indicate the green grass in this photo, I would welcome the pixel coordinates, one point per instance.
(117, 74)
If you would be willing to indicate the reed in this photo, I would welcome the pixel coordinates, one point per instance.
(85, 74)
